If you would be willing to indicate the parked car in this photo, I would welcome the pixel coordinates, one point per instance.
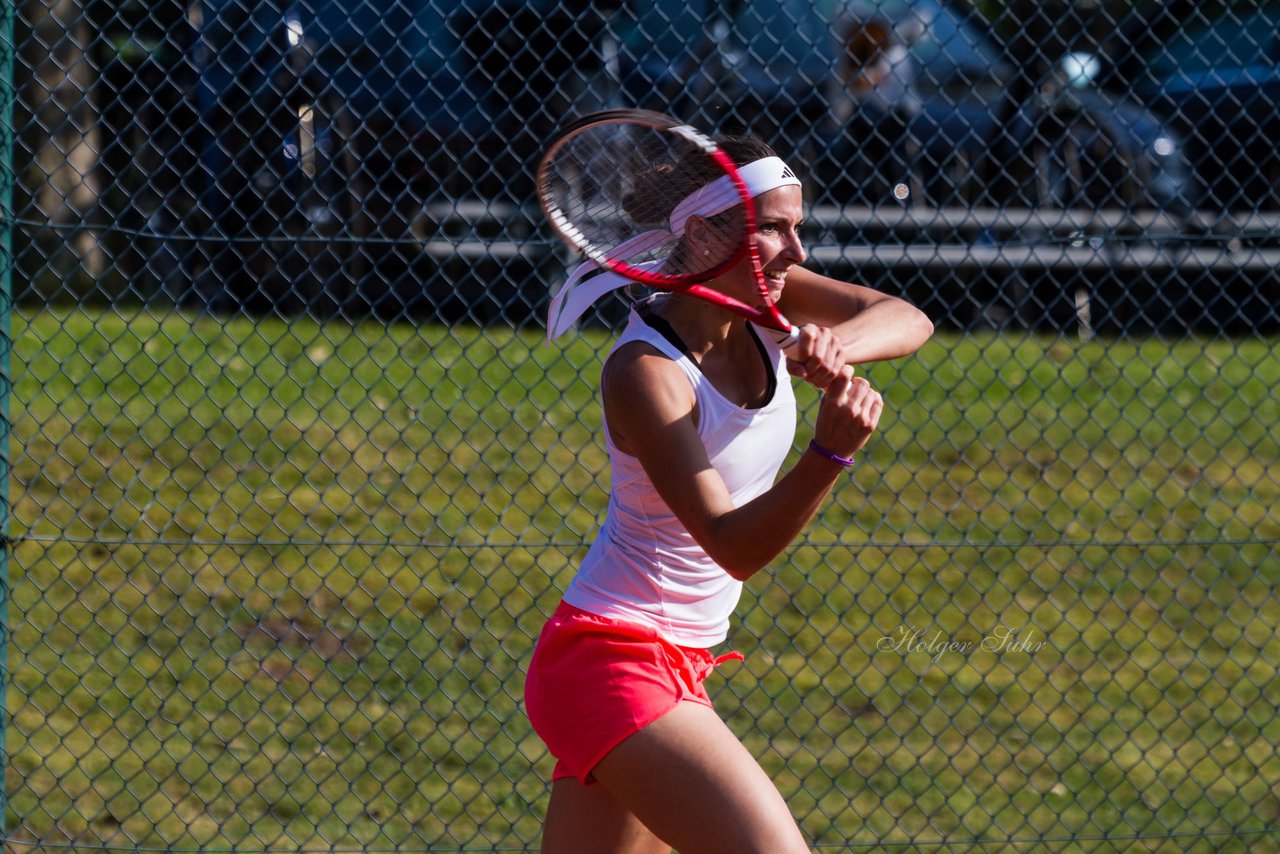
(1212, 72)
(376, 157)
(785, 69)
(348, 147)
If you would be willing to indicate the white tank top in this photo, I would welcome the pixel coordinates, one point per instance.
(644, 566)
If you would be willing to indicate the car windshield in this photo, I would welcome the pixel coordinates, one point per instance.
(1230, 40)
(944, 44)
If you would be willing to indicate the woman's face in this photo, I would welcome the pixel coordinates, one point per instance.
(779, 214)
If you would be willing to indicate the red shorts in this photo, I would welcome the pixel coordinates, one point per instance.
(594, 681)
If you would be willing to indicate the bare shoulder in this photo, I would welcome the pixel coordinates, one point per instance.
(642, 388)
(639, 368)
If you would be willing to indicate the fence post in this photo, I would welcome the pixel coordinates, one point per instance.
(8, 93)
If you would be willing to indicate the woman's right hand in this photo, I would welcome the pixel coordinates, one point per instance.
(848, 414)
(817, 356)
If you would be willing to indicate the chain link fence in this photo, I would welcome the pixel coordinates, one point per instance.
(293, 480)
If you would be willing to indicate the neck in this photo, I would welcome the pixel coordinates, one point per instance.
(723, 348)
(701, 325)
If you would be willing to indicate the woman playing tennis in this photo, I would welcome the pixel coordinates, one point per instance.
(699, 417)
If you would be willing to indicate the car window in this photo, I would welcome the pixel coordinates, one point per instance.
(786, 31)
(948, 47)
(663, 30)
(790, 41)
(945, 44)
(1229, 41)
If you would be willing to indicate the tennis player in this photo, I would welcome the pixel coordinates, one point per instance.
(699, 416)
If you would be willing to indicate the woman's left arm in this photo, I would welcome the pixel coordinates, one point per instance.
(871, 325)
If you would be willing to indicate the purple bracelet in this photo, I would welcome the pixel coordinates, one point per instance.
(823, 452)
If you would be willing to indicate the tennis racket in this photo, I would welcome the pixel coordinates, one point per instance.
(656, 202)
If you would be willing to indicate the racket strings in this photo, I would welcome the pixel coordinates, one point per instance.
(617, 186)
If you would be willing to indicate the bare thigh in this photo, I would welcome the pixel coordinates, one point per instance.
(589, 820)
(689, 780)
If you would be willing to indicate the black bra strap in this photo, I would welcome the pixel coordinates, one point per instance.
(771, 381)
(660, 325)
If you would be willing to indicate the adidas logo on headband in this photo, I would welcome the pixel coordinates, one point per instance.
(786, 172)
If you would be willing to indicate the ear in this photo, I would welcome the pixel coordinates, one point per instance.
(699, 234)
(704, 237)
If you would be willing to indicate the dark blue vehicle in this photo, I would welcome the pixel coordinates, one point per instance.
(275, 120)
(377, 156)
(341, 143)
(780, 69)
(1211, 71)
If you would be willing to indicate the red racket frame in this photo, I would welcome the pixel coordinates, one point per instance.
(766, 314)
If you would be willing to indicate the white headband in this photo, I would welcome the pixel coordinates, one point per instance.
(759, 176)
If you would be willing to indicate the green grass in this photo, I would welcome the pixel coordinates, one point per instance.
(277, 583)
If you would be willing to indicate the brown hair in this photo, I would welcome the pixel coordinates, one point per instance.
(660, 189)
